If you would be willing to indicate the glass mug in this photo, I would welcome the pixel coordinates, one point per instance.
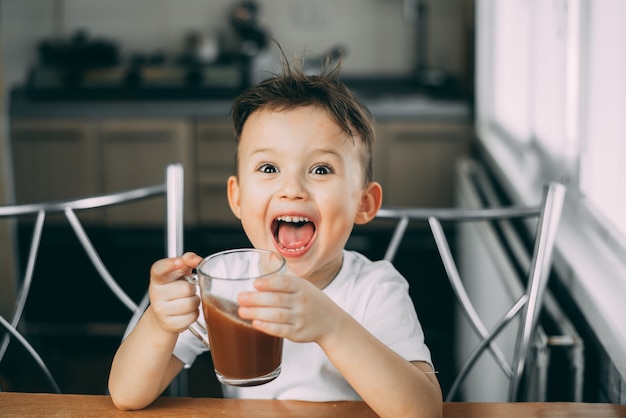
(242, 355)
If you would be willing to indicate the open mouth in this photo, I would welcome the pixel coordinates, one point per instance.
(293, 233)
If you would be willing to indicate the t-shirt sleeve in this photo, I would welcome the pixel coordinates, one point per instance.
(188, 347)
(390, 315)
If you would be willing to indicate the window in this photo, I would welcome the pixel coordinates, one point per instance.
(511, 75)
(559, 94)
(531, 72)
(603, 152)
(551, 105)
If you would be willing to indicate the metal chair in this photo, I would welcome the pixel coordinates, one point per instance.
(528, 304)
(171, 189)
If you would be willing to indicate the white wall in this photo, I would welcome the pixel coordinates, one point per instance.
(22, 25)
(368, 28)
(378, 38)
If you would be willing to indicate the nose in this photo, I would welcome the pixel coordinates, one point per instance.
(293, 187)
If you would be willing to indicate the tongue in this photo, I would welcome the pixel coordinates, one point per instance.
(294, 236)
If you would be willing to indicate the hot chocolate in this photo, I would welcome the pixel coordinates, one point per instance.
(239, 351)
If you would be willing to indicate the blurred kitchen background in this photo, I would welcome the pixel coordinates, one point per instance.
(381, 38)
(99, 96)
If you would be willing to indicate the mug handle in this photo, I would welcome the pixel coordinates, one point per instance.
(197, 328)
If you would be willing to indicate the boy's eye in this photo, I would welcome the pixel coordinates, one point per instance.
(268, 168)
(321, 169)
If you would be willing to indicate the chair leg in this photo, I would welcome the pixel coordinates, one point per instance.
(32, 352)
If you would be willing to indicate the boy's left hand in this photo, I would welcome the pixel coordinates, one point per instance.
(290, 307)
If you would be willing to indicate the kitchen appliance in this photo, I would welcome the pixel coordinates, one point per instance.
(251, 39)
(93, 69)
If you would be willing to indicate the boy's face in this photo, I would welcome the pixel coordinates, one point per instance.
(299, 189)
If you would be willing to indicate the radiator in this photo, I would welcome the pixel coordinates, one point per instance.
(490, 258)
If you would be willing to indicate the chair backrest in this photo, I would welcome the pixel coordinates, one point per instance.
(171, 189)
(528, 304)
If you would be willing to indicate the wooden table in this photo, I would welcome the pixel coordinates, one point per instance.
(47, 405)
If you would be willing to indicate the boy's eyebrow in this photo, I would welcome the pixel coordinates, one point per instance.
(262, 150)
(330, 151)
(317, 151)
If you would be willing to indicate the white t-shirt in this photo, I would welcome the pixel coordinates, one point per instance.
(377, 296)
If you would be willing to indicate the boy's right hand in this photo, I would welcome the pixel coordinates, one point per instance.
(173, 299)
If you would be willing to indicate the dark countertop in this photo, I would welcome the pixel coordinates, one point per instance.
(387, 99)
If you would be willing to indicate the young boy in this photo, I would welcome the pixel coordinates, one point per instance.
(303, 180)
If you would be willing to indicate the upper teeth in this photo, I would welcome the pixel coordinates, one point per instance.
(294, 219)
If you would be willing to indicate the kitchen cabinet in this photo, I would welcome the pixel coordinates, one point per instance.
(215, 159)
(414, 161)
(79, 149)
(135, 154)
(62, 159)
(55, 160)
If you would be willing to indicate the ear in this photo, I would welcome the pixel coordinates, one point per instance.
(371, 201)
(233, 196)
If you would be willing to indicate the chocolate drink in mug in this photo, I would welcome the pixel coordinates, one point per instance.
(238, 350)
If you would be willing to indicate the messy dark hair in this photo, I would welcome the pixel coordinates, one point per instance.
(294, 88)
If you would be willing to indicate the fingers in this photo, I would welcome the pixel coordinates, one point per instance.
(179, 289)
(290, 307)
(276, 315)
(170, 269)
(177, 314)
(173, 299)
(276, 329)
(273, 305)
(283, 306)
(280, 322)
(278, 283)
(266, 298)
